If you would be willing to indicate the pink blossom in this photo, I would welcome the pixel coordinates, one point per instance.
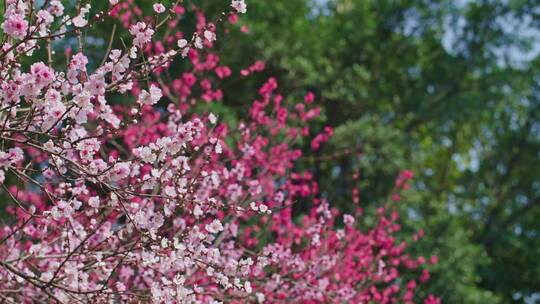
(159, 8)
(214, 227)
(56, 8)
(142, 34)
(150, 98)
(15, 25)
(240, 6)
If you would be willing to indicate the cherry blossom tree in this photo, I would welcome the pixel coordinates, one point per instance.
(153, 200)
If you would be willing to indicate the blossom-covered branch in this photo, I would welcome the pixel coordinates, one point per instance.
(150, 200)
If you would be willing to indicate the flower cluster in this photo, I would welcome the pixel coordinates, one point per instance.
(151, 200)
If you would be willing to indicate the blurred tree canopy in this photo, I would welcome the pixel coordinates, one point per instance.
(449, 89)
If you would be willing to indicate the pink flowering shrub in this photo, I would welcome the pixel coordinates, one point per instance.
(156, 201)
